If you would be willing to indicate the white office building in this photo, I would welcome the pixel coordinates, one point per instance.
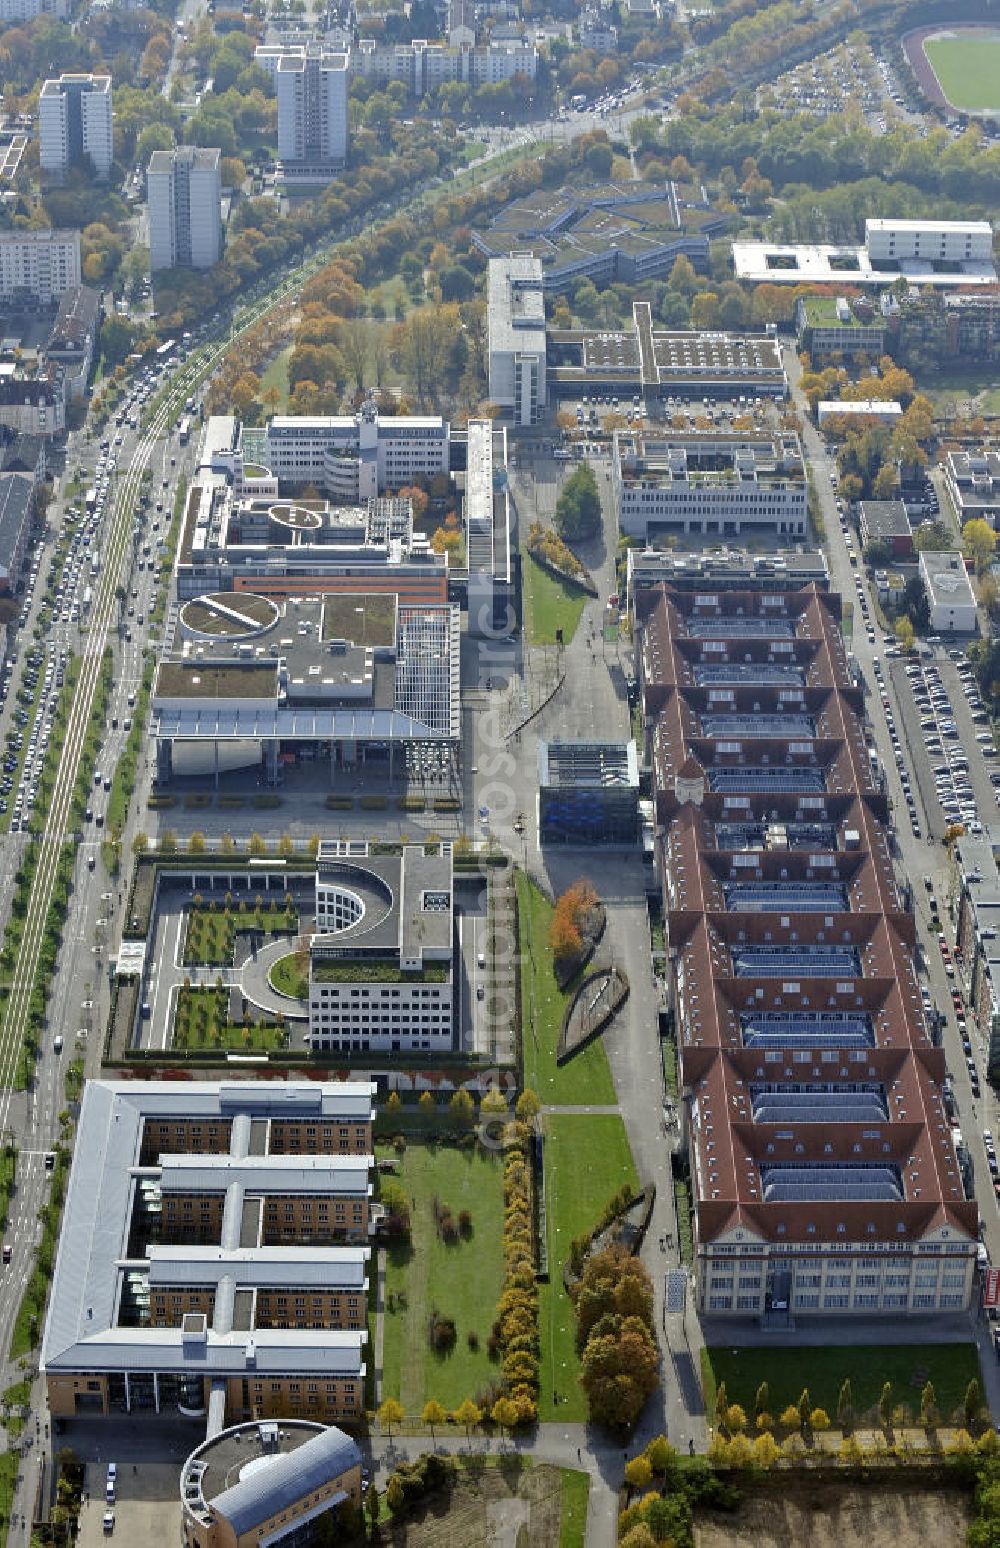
(38, 265)
(515, 327)
(74, 124)
(942, 253)
(596, 33)
(268, 56)
(381, 967)
(184, 202)
(947, 242)
(711, 485)
(312, 113)
(949, 592)
(14, 11)
(357, 456)
(423, 65)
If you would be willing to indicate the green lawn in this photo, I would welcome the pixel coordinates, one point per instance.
(586, 1078)
(549, 604)
(211, 932)
(573, 1523)
(822, 1369)
(8, 1473)
(951, 388)
(201, 1022)
(587, 1158)
(461, 1281)
(968, 69)
(290, 975)
(276, 376)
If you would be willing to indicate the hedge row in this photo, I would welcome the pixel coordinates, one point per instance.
(514, 1336)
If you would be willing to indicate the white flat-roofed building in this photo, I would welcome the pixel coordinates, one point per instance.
(715, 485)
(925, 252)
(33, 405)
(515, 325)
(40, 265)
(268, 56)
(14, 11)
(596, 33)
(949, 592)
(74, 124)
(660, 363)
(312, 113)
(973, 479)
(884, 410)
(934, 241)
(184, 200)
(423, 65)
(357, 456)
(488, 529)
(381, 967)
(214, 1251)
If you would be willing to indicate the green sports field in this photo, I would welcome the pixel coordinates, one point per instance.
(968, 69)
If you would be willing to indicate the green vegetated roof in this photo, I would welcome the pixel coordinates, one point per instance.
(336, 972)
(364, 618)
(821, 312)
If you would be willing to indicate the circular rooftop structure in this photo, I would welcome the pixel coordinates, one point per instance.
(243, 1478)
(300, 518)
(228, 615)
(352, 898)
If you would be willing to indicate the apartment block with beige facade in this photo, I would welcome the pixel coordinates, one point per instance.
(214, 1255)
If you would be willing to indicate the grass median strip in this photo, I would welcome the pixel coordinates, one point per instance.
(123, 779)
(587, 1159)
(28, 1323)
(586, 1078)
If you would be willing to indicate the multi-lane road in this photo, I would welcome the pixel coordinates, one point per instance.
(77, 998)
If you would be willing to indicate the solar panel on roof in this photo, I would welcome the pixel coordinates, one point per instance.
(776, 961)
(747, 672)
(743, 777)
(824, 1029)
(819, 1106)
(748, 628)
(798, 897)
(758, 725)
(843, 1184)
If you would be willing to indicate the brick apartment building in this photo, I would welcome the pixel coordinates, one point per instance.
(824, 1173)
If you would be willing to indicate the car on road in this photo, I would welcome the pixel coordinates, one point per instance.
(108, 1522)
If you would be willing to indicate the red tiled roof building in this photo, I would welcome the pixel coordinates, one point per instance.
(824, 1170)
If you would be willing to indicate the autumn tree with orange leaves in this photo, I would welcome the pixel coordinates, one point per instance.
(568, 918)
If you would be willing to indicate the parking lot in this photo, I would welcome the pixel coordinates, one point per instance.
(146, 1507)
(848, 77)
(946, 725)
